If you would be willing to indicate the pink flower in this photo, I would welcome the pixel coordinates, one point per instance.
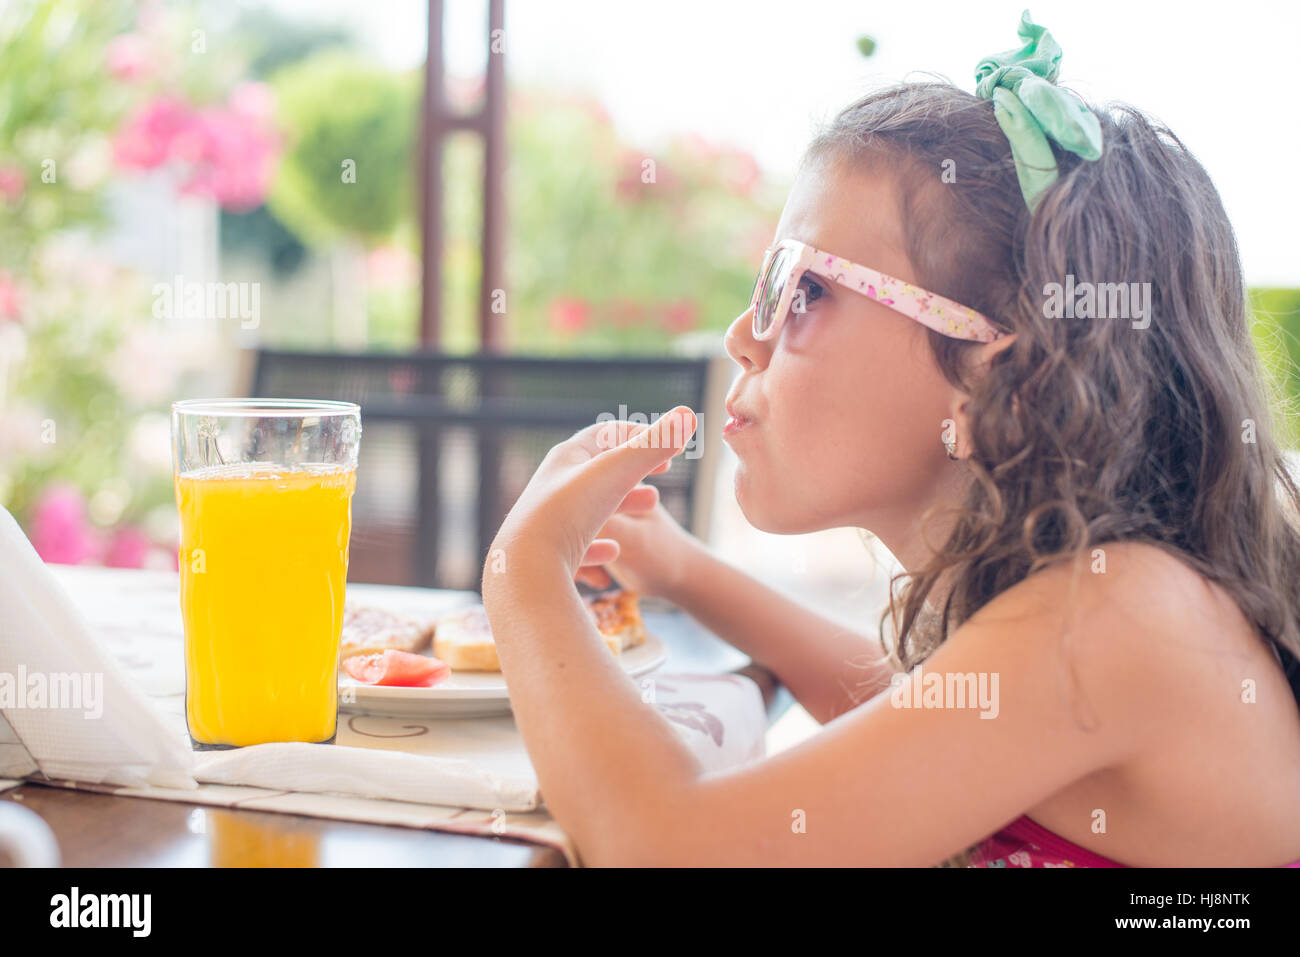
(128, 548)
(740, 172)
(643, 176)
(253, 101)
(699, 147)
(231, 159)
(12, 183)
(570, 315)
(127, 56)
(229, 154)
(60, 532)
(10, 300)
(681, 316)
(148, 139)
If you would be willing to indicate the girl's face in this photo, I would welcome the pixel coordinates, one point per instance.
(843, 412)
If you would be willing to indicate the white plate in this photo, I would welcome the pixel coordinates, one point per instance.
(462, 694)
(465, 694)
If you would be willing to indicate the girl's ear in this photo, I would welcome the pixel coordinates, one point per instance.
(956, 428)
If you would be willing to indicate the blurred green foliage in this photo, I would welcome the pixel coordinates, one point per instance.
(1276, 330)
(54, 108)
(79, 370)
(273, 42)
(610, 248)
(348, 166)
(615, 248)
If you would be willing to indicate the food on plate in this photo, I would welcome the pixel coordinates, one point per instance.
(619, 619)
(464, 640)
(368, 630)
(397, 668)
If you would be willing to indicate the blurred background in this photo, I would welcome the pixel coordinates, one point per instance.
(607, 195)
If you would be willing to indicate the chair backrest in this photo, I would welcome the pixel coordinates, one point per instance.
(450, 441)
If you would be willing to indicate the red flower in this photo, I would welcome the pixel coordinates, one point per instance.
(10, 300)
(12, 183)
(569, 316)
(681, 316)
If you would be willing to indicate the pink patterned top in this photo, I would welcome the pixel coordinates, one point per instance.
(1026, 843)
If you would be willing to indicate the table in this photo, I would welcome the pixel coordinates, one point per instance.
(98, 830)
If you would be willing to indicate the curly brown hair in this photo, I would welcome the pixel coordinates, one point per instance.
(1084, 431)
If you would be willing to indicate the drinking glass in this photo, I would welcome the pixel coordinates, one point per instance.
(264, 490)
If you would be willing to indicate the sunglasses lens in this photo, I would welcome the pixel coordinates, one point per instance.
(772, 285)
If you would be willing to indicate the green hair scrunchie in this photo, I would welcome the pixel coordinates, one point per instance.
(1030, 108)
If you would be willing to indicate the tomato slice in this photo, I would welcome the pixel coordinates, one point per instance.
(397, 668)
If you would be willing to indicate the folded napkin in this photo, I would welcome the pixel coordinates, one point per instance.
(68, 707)
(367, 772)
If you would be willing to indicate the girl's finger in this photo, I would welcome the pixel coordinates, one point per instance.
(599, 484)
(601, 552)
(593, 575)
(602, 436)
(643, 498)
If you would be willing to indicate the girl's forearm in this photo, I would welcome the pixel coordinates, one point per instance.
(602, 755)
(828, 668)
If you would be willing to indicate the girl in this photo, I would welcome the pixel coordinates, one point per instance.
(1089, 504)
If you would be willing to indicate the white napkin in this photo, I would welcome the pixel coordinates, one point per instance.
(70, 704)
(368, 773)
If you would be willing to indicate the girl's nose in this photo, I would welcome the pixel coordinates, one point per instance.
(740, 344)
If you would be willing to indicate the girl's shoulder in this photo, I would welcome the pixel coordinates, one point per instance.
(1138, 625)
(1128, 583)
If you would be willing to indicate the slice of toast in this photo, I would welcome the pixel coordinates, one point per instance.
(464, 640)
(368, 630)
(618, 617)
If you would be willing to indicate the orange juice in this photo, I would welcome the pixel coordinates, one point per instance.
(263, 559)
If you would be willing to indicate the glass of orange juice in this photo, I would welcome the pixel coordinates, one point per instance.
(264, 489)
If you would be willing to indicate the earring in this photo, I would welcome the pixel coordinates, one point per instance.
(950, 446)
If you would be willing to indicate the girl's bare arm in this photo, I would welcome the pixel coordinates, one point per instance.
(828, 668)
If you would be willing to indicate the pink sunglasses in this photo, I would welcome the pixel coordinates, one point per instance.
(785, 263)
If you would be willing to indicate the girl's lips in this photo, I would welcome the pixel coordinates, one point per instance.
(734, 425)
(736, 420)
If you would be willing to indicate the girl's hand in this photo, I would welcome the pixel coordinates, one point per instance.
(580, 484)
(641, 548)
